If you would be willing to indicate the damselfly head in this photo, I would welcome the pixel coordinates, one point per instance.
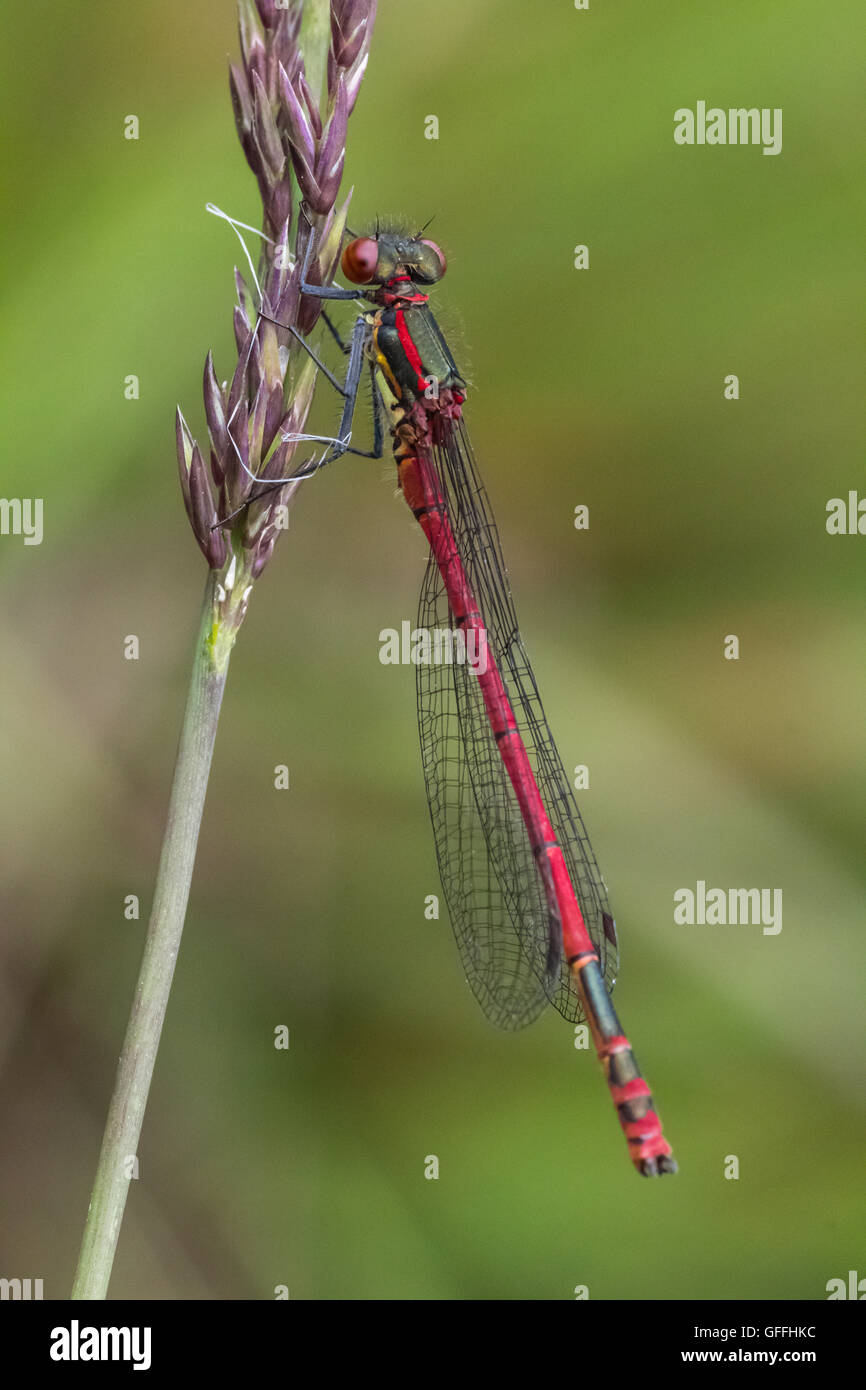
(374, 260)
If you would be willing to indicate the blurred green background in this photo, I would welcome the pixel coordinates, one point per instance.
(602, 387)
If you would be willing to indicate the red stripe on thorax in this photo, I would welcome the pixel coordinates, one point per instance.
(407, 343)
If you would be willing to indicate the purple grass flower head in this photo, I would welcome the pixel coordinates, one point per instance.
(294, 140)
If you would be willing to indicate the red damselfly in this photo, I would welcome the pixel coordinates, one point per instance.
(525, 895)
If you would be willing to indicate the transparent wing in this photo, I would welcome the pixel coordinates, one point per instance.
(509, 945)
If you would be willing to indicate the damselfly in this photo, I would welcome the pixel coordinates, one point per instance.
(527, 901)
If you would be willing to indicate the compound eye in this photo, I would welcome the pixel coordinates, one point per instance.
(432, 264)
(360, 259)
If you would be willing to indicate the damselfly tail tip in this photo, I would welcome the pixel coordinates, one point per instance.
(657, 1167)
